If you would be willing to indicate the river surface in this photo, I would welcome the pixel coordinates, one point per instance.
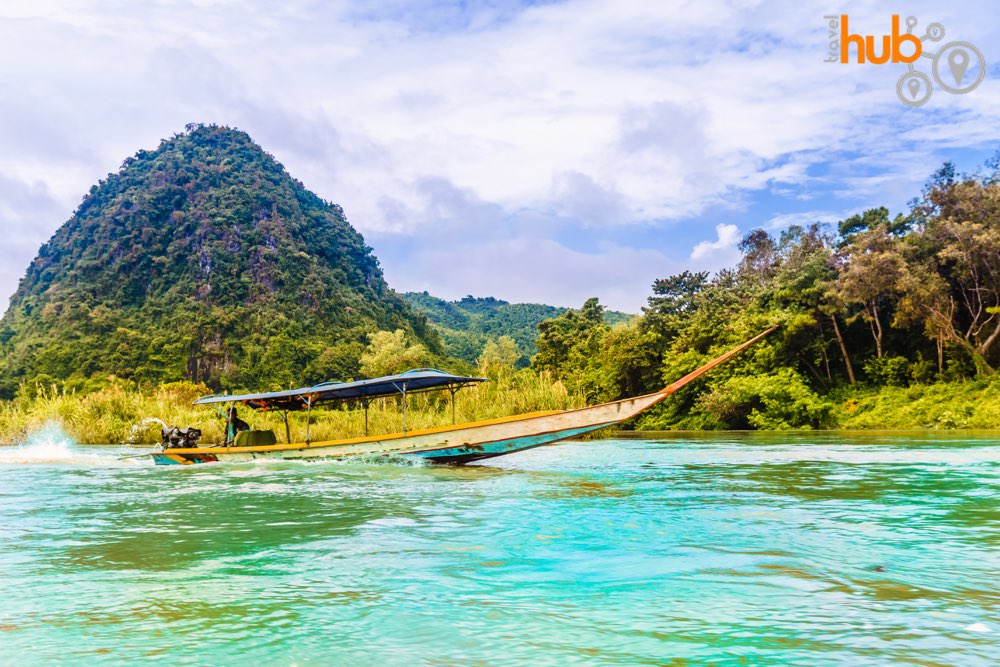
(686, 549)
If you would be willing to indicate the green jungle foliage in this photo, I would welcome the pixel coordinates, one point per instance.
(466, 326)
(886, 322)
(205, 261)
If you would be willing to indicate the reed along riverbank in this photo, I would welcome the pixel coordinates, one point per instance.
(123, 413)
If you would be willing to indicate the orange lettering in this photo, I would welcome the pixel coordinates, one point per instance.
(897, 41)
(886, 49)
(846, 39)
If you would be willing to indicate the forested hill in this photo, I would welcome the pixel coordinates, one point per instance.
(468, 324)
(202, 259)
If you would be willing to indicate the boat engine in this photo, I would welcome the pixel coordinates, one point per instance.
(182, 438)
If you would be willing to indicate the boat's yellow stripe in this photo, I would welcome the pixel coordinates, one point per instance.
(373, 438)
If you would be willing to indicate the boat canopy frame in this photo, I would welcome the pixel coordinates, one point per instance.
(417, 380)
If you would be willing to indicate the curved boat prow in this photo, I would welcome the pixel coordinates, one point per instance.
(642, 403)
(695, 374)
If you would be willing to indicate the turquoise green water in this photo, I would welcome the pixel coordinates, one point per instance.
(798, 549)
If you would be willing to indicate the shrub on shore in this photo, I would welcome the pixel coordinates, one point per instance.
(943, 405)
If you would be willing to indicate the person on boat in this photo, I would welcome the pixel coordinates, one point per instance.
(236, 424)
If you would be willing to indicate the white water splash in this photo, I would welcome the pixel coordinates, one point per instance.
(50, 444)
(140, 426)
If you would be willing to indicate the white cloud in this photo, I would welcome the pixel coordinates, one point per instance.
(420, 116)
(727, 236)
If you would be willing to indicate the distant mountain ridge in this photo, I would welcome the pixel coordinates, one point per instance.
(467, 324)
(202, 259)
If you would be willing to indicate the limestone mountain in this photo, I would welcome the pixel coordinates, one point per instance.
(202, 259)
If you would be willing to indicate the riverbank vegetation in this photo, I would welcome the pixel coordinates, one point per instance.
(886, 322)
(122, 412)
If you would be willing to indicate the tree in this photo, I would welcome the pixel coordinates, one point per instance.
(831, 306)
(592, 312)
(871, 268)
(925, 300)
(805, 281)
(570, 346)
(759, 257)
(953, 281)
(873, 218)
(673, 298)
(502, 352)
(559, 337)
(389, 353)
(628, 363)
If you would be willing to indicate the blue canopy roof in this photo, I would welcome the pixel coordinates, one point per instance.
(418, 379)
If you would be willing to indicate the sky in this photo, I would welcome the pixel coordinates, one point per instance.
(536, 152)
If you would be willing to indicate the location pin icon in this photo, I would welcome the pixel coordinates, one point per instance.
(958, 62)
(914, 86)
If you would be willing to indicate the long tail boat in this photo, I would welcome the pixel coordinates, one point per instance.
(454, 444)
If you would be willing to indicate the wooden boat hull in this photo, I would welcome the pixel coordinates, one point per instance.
(455, 444)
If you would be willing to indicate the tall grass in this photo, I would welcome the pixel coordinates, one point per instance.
(115, 413)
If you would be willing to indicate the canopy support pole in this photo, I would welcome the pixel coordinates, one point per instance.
(288, 433)
(453, 390)
(309, 405)
(404, 408)
(229, 427)
(365, 403)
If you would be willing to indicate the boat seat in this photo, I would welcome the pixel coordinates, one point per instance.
(254, 439)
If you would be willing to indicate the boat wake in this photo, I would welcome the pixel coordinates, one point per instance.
(49, 445)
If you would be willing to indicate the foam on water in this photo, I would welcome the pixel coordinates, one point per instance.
(50, 444)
